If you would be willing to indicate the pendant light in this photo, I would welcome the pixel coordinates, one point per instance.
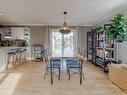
(65, 29)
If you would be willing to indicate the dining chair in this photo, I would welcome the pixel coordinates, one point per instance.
(53, 67)
(75, 67)
(47, 62)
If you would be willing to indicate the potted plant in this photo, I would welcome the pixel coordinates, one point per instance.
(99, 29)
(117, 30)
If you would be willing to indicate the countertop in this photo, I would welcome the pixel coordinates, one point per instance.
(10, 48)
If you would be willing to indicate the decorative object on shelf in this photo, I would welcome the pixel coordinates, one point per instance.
(65, 29)
(26, 28)
(118, 28)
(99, 29)
(37, 52)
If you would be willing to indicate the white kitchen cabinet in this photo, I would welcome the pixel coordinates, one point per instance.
(3, 60)
(17, 33)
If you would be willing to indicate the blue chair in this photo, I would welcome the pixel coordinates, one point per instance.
(76, 65)
(55, 64)
(54, 67)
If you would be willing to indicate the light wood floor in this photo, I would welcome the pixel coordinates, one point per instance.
(28, 79)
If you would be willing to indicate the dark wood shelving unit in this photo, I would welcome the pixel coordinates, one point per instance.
(89, 45)
(102, 51)
(37, 52)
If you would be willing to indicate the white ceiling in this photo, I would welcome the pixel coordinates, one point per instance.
(49, 12)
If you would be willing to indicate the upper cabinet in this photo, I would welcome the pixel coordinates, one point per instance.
(14, 36)
(17, 33)
(6, 32)
(14, 33)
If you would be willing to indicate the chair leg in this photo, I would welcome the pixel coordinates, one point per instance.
(67, 70)
(69, 74)
(46, 71)
(51, 76)
(59, 74)
(81, 76)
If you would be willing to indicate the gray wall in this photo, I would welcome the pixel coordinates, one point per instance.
(37, 34)
(122, 47)
(83, 36)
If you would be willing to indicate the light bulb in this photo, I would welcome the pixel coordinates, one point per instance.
(65, 28)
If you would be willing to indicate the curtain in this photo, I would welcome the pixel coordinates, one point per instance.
(77, 40)
(47, 44)
(80, 40)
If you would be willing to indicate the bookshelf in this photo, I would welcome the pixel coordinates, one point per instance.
(90, 45)
(37, 52)
(103, 49)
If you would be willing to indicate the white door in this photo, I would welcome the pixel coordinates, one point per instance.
(62, 45)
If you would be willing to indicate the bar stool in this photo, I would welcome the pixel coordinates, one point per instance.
(11, 59)
(23, 55)
(18, 56)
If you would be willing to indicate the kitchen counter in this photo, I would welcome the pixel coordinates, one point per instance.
(9, 48)
(4, 55)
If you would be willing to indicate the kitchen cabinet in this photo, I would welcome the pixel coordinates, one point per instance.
(3, 59)
(17, 32)
(12, 33)
(4, 55)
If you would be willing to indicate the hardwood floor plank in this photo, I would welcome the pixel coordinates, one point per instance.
(28, 79)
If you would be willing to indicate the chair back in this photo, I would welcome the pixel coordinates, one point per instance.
(73, 63)
(54, 63)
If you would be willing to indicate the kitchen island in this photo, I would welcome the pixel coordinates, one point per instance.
(4, 55)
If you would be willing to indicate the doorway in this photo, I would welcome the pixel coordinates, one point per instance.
(62, 45)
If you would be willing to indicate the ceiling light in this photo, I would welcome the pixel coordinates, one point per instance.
(65, 29)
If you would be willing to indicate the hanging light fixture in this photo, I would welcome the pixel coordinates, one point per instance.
(65, 29)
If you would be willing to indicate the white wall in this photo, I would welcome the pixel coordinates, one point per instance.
(122, 49)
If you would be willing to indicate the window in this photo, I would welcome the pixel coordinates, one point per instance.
(62, 45)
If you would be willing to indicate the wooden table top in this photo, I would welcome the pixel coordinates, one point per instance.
(77, 56)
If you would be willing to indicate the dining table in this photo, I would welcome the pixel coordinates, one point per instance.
(63, 66)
